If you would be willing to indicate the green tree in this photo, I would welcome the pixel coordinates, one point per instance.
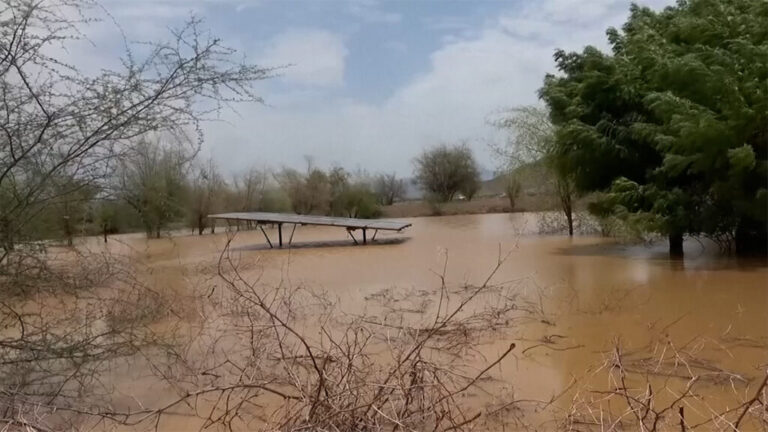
(338, 182)
(358, 201)
(308, 193)
(673, 124)
(444, 171)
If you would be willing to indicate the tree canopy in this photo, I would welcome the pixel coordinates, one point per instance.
(444, 171)
(673, 123)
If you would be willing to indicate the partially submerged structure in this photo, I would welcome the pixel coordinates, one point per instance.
(279, 219)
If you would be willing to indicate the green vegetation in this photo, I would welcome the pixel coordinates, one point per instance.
(672, 125)
(334, 193)
(445, 171)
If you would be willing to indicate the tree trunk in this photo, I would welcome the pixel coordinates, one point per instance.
(676, 245)
(68, 230)
(104, 228)
(511, 202)
(565, 190)
(200, 227)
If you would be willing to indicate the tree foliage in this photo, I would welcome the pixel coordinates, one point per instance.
(673, 123)
(444, 171)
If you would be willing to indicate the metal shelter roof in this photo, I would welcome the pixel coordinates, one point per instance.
(279, 218)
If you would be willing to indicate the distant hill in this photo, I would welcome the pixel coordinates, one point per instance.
(533, 179)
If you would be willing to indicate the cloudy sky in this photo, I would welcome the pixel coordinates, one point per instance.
(372, 83)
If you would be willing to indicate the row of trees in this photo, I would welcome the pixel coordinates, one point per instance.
(158, 183)
(156, 186)
(668, 131)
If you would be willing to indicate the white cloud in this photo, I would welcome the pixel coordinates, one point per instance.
(469, 77)
(316, 57)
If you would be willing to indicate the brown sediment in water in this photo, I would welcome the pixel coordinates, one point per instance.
(593, 293)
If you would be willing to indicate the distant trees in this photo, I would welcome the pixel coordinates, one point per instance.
(672, 125)
(388, 188)
(152, 180)
(444, 171)
(249, 190)
(532, 140)
(308, 193)
(334, 192)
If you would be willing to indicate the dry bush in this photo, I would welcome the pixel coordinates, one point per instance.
(66, 321)
(670, 386)
(289, 358)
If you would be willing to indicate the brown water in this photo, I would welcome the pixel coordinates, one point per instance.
(594, 292)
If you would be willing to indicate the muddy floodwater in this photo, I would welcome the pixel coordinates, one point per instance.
(593, 294)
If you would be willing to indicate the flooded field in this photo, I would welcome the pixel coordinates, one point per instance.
(587, 300)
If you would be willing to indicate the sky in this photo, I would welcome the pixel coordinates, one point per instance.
(369, 84)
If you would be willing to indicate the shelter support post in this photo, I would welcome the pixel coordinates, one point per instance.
(349, 231)
(266, 236)
(290, 240)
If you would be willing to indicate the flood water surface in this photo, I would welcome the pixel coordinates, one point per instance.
(592, 296)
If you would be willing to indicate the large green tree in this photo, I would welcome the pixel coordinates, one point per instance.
(673, 124)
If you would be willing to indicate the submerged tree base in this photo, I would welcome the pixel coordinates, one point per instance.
(751, 238)
(676, 246)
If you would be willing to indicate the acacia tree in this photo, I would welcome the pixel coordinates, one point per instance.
(673, 123)
(532, 140)
(444, 171)
(55, 118)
